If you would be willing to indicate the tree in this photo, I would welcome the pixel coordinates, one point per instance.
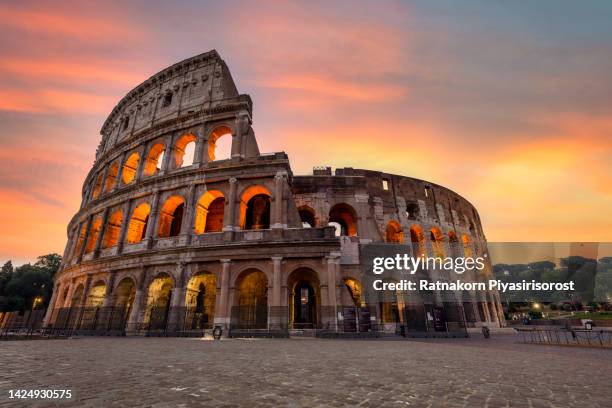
(30, 282)
(50, 263)
(20, 286)
(5, 275)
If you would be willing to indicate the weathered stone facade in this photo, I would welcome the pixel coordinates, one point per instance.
(238, 242)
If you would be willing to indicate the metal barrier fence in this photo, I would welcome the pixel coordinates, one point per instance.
(373, 320)
(562, 336)
(21, 324)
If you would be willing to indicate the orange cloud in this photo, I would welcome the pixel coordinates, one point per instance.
(88, 71)
(77, 25)
(54, 100)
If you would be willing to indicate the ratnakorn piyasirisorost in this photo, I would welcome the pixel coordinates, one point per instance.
(166, 246)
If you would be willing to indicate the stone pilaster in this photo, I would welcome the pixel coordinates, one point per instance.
(229, 217)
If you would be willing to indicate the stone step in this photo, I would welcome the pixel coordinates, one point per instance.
(302, 333)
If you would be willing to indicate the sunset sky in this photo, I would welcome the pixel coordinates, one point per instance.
(508, 104)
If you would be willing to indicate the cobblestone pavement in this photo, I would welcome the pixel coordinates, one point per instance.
(167, 372)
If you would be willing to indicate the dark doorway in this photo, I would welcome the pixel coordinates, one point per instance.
(304, 306)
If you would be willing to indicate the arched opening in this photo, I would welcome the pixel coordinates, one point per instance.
(95, 298)
(184, 150)
(304, 299)
(80, 240)
(154, 160)
(255, 208)
(418, 240)
(220, 144)
(209, 212)
(412, 210)
(138, 223)
(307, 215)
(467, 248)
(355, 291)
(113, 229)
(394, 232)
(345, 216)
(437, 242)
(128, 174)
(125, 293)
(93, 302)
(251, 301)
(171, 217)
(200, 301)
(96, 225)
(391, 305)
(97, 188)
(77, 296)
(158, 302)
(111, 177)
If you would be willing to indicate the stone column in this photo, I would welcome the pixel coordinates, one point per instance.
(199, 156)
(86, 288)
(125, 223)
(101, 233)
(85, 238)
(153, 215)
(177, 300)
(142, 161)
(69, 295)
(120, 171)
(275, 321)
(240, 129)
(279, 183)
(229, 217)
(222, 316)
(132, 324)
(108, 296)
(332, 262)
(51, 306)
(188, 219)
(168, 153)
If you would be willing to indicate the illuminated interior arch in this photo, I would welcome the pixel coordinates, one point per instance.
(467, 247)
(346, 216)
(128, 174)
(393, 232)
(437, 242)
(184, 150)
(95, 298)
(171, 217)
(111, 177)
(209, 212)
(113, 229)
(219, 143)
(138, 223)
(158, 302)
(392, 304)
(96, 225)
(251, 300)
(200, 299)
(124, 295)
(154, 160)
(355, 290)
(255, 208)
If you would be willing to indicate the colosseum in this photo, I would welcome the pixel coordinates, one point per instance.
(173, 238)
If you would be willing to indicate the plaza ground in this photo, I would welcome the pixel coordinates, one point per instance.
(169, 372)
